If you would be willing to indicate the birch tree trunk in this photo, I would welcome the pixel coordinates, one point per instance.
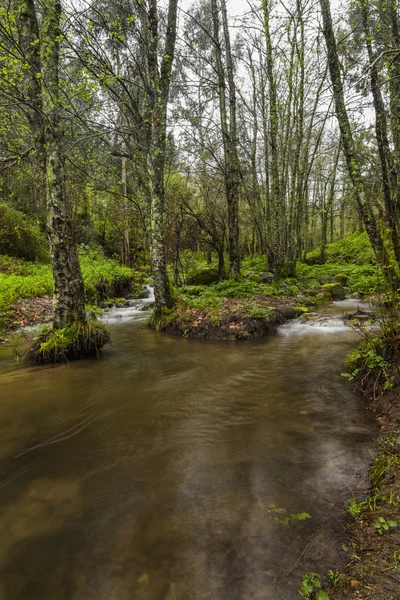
(159, 84)
(69, 303)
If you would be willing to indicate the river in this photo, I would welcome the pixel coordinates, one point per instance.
(153, 473)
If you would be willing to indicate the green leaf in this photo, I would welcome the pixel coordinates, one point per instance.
(393, 523)
(306, 588)
(321, 595)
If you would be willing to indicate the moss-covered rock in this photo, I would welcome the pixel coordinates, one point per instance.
(203, 276)
(336, 289)
(267, 277)
(341, 279)
(254, 277)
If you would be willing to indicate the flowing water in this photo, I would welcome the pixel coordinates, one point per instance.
(153, 473)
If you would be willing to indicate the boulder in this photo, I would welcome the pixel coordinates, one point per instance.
(267, 277)
(336, 289)
(254, 277)
(342, 279)
(203, 276)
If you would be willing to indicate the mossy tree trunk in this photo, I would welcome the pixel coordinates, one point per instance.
(353, 166)
(158, 94)
(28, 37)
(227, 106)
(389, 172)
(276, 215)
(69, 304)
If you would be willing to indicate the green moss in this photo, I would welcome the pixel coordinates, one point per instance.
(355, 249)
(203, 276)
(73, 342)
(335, 289)
(163, 319)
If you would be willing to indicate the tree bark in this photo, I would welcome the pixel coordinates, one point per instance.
(229, 134)
(274, 254)
(159, 85)
(348, 146)
(389, 176)
(29, 40)
(69, 303)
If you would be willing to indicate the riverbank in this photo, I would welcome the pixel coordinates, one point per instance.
(373, 546)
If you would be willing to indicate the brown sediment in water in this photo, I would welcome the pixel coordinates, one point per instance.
(176, 456)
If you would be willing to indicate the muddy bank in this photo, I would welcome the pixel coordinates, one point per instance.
(234, 318)
(373, 546)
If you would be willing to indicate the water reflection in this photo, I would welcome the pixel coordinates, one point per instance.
(150, 474)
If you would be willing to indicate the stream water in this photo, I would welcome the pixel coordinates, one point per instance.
(152, 473)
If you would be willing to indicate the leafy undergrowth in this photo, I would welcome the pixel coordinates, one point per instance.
(20, 281)
(225, 318)
(373, 550)
(355, 248)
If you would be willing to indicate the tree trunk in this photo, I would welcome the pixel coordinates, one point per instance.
(69, 303)
(28, 33)
(229, 134)
(349, 150)
(275, 189)
(126, 247)
(159, 95)
(389, 176)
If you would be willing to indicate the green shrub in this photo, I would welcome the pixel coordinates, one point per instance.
(20, 236)
(360, 278)
(256, 264)
(104, 277)
(355, 248)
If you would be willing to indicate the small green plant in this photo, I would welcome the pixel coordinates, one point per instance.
(281, 516)
(335, 578)
(396, 557)
(384, 462)
(355, 508)
(94, 310)
(381, 525)
(311, 587)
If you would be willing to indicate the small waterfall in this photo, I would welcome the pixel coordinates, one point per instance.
(329, 323)
(149, 290)
(135, 308)
(321, 325)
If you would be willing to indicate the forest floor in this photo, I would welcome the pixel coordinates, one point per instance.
(27, 312)
(231, 318)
